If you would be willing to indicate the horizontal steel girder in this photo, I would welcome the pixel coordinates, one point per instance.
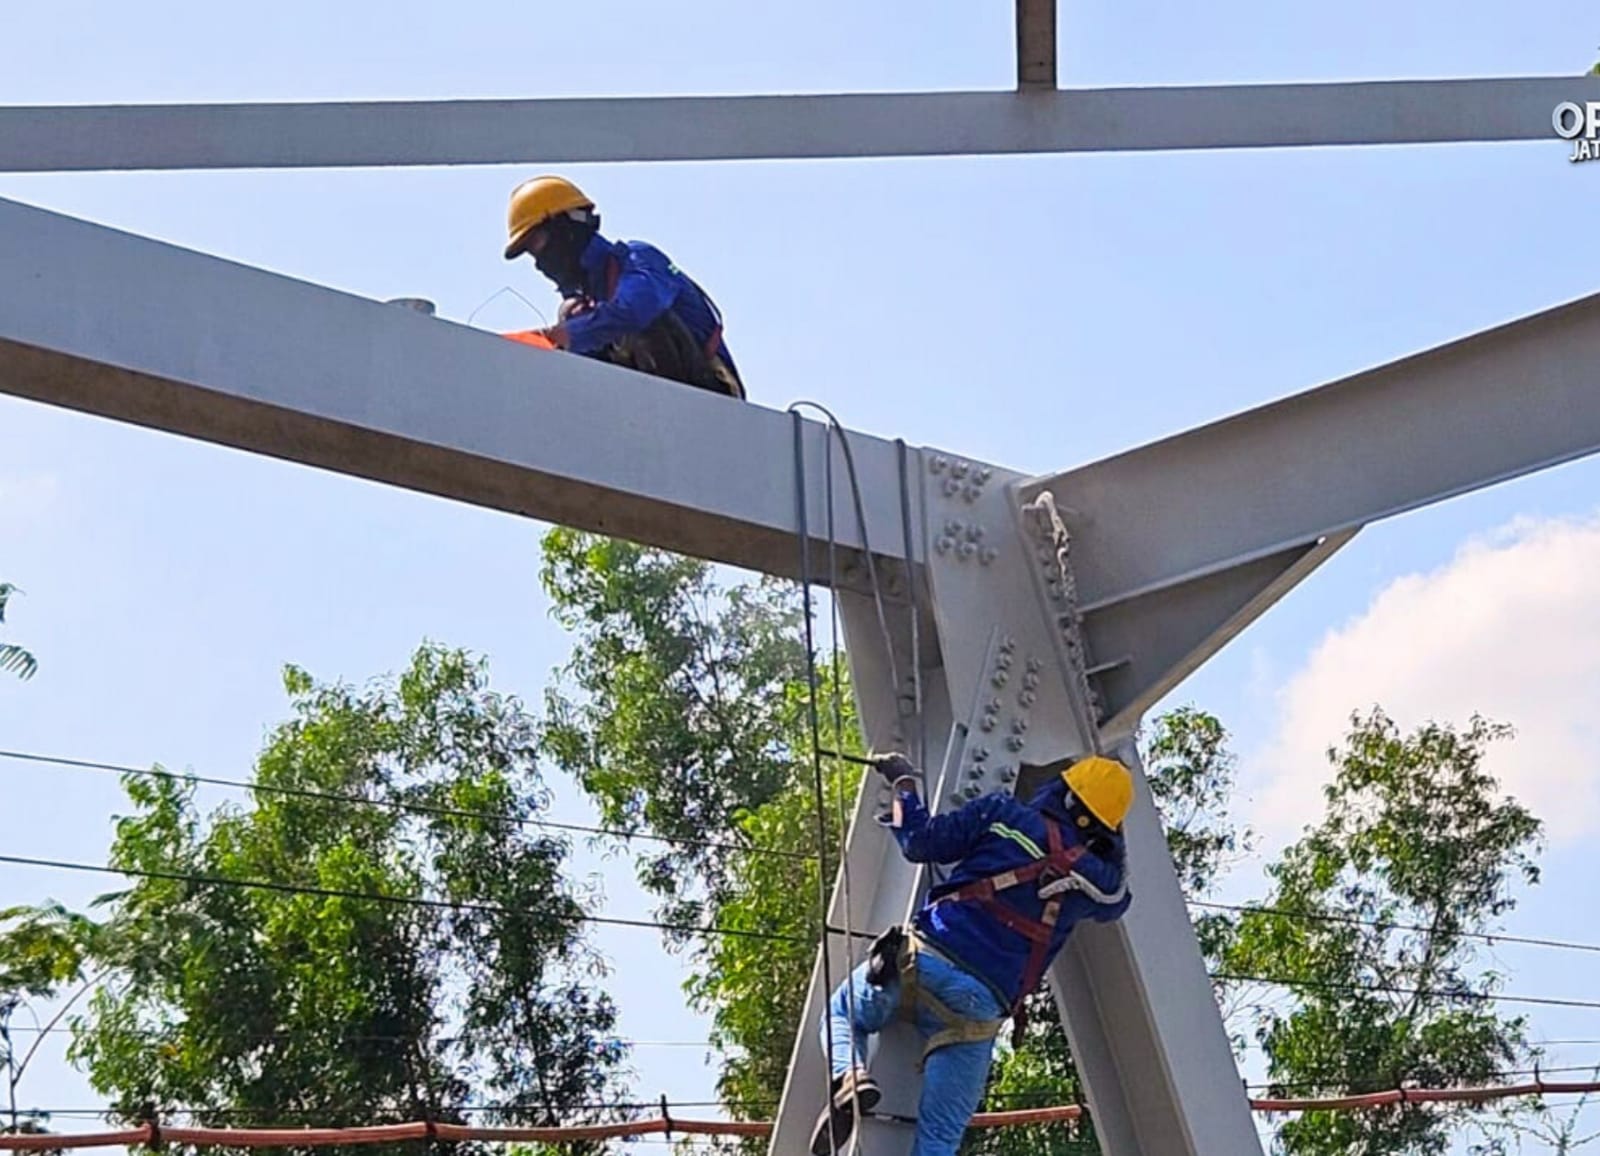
(1504, 402)
(321, 135)
(128, 328)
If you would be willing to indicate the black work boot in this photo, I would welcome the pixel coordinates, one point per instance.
(852, 1091)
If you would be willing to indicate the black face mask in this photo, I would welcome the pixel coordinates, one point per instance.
(561, 259)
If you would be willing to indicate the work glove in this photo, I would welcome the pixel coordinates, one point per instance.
(894, 767)
(572, 306)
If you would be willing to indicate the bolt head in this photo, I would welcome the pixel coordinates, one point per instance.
(1008, 774)
(974, 533)
(967, 550)
(990, 553)
(944, 544)
(971, 491)
(983, 473)
(951, 487)
(1030, 680)
(980, 754)
(1027, 698)
(939, 464)
(1002, 660)
(1019, 726)
(1014, 743)
(959, 470)
(1034, 665)
(987, 723)
(1000, 678)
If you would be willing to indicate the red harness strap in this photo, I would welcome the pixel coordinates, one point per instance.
(1038, 932)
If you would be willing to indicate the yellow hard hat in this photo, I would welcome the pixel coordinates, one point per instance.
(534, 202)
(1102, 785)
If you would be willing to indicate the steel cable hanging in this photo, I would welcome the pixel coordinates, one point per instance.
(836, 430)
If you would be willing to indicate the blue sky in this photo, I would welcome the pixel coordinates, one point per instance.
(1038, 312)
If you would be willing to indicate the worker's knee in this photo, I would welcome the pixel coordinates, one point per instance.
(867, 1007)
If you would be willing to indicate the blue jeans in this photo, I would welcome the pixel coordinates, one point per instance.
(953, 1076)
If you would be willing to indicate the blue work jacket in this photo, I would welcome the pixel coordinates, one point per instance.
(647, 284)
(992, 834)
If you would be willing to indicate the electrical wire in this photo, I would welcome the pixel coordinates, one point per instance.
(337, 797)
(377, 897)
(334, 797)
(1489, 937)
(1387, 989)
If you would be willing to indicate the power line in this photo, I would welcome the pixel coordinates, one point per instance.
(358, 1038)
(1388, 989)
(334, 797)
(1330, 917)
(404, 900)
(342, 798)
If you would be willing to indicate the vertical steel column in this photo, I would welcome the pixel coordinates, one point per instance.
(1036, 45)
(1141, 1018)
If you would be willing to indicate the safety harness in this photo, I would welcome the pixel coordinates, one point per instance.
(712, 345)
(1058, 862)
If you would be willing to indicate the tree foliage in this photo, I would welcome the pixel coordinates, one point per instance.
(254, 1005)
(1371, 918)
(676, 712)
(676, 736)
(13, 658)
(684, 712)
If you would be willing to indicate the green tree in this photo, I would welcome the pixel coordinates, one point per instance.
(674, 677)
(1372, 918)
(42, 952)
(249, 1005)
(676, 712)
(684, 712)
(14, 658)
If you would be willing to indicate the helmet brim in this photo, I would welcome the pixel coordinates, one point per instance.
(519, 244)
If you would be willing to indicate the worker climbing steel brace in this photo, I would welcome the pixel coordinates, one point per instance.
(1023, 875)
(622, 301)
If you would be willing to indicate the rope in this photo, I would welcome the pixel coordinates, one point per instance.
(803, 532)
(837, 430)
(838, 738)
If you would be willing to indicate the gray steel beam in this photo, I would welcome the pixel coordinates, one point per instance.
(1141, 1018)
(1000, 712)
(1036, 45)
(322, 135)
(1144, 647)
(132, 329)
(1504, 402)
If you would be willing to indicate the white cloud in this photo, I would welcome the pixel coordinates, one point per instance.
(1509, 628)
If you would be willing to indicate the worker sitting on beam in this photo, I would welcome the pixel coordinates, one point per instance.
(1023, 875)
(622, 301)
